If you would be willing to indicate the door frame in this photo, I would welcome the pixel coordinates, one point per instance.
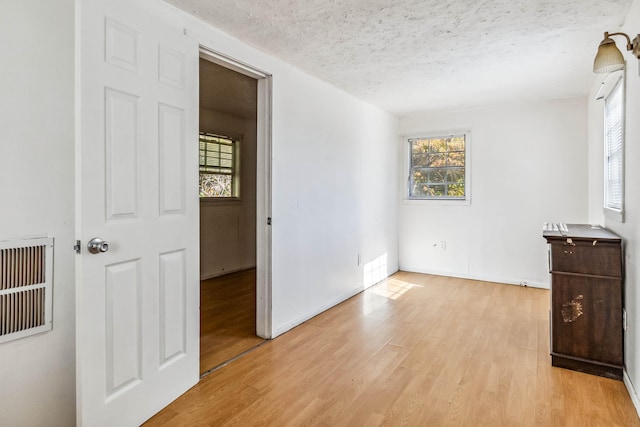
(263, 185)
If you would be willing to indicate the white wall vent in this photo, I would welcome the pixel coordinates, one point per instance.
(26, 268)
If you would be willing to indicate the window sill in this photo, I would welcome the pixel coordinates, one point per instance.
(226, 201)
(614, 214)
(437, 202)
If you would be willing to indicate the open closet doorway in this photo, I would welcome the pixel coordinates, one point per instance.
(229, 128)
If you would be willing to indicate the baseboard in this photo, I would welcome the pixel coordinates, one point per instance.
(222, 273)
(632, 391)
(288, 326)
(507, 281)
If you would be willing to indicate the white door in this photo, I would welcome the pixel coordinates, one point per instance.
(137, 304)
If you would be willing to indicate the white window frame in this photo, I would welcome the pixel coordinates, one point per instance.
(235, 180)
(610, 209)
(440, 201)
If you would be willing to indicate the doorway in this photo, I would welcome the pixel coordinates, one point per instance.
(234, 284)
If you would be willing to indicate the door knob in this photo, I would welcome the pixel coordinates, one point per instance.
(97, 246)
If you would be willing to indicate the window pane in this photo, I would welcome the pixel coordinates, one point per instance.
(455, 159)
(438, 145)
(420, 190)
(420, 178)
(437, 190)
(420, 160)
(217, 166)
(456, 144)
(425, 190)
(455, 176)
(419, 145)
(215, 185)
(438, 167)
(455, 190)
(436, 160)
(436, 176)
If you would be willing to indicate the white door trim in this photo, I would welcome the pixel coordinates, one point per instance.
(228, 62)
(263, 184)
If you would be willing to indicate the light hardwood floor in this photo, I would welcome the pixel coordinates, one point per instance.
(227, 317)
(415, 350)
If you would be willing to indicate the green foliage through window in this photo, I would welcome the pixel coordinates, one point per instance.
(437, 169)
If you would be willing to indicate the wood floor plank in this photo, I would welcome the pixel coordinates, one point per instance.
(414, 350)
(227, 317)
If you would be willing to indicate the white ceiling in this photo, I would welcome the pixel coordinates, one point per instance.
(408, 56)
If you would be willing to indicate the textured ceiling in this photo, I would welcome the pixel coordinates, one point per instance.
(225, 90)
(408, 56)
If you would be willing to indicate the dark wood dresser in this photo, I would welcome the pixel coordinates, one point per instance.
(587, 297)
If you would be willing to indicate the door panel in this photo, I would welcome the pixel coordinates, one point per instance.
(173, 289)
(137, 305)
(171, 148)
(122, 327)
(121, 146)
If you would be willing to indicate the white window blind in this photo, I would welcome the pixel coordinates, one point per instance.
(614, 148)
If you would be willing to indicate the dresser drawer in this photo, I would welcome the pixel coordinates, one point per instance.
(585, 257)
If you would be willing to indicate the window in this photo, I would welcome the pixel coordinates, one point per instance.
(614, 152)
(218, 166)
(438, 168)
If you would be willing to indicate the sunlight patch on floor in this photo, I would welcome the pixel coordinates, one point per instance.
(393, 288)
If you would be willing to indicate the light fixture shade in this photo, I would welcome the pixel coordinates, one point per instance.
(609, 58)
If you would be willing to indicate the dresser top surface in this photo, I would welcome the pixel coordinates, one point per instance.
(581, 232)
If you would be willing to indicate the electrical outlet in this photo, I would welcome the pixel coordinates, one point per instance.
(624, 320)
(443, 245)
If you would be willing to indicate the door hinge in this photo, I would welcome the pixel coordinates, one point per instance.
(268, 220)
(77, 247)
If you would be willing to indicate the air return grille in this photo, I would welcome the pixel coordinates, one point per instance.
(25, 287)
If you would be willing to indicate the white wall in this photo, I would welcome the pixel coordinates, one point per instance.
(334, 186)
(334, 180)
(228, 227)
(334, 191)
(630, 229)
(37, 374)
(528, 166)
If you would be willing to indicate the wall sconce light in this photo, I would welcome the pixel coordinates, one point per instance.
(609, 58)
